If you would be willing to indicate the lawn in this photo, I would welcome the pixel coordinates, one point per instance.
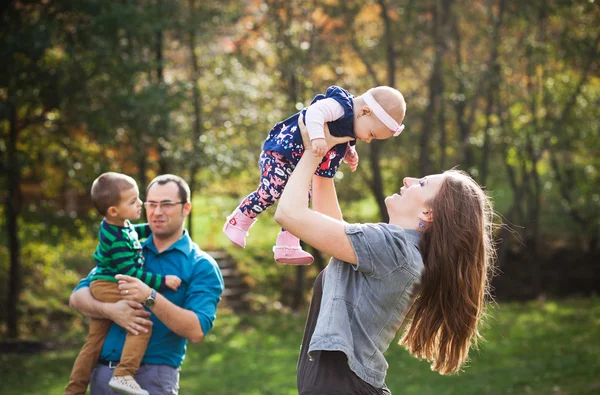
(550, 347)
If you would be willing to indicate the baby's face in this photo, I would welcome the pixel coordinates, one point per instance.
(369, 127)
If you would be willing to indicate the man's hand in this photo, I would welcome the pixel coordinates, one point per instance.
(130, 316)
(319, 146)
(133, 288)
(172, 282)
(351, 158)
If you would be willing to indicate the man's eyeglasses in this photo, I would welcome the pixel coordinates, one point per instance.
(165, 206)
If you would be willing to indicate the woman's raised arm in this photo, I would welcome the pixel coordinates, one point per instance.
(324, 233)
(324, 197)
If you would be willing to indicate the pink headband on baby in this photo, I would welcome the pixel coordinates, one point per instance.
(383, 116)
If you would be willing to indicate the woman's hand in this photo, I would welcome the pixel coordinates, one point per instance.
(133, 288)
(331, 140)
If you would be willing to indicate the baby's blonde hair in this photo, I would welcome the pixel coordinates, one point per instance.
(391, 100)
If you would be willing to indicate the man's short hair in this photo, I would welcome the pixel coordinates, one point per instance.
(107, 188)
(184, 188)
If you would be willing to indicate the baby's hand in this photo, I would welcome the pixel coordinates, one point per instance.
(319, 147)
(172, 282)
(351, 158)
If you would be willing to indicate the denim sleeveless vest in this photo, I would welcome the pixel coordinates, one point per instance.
(364, 305)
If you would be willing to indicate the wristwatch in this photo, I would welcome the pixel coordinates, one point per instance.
(150, 300)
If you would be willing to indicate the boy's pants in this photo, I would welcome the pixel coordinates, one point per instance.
(133, 350)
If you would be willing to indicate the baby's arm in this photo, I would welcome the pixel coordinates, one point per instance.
(351, 157)
(326, 110)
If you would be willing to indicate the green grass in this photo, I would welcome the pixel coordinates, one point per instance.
(532, 348)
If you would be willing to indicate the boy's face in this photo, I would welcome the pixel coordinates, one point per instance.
(130, 205)
(368, 127)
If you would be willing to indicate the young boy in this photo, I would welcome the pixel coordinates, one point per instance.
(376, 114)
(116, 196)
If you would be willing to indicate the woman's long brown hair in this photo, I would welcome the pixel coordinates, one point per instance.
(459, 255)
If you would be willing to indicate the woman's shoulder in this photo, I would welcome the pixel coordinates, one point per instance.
(384, 229)
(382, 236)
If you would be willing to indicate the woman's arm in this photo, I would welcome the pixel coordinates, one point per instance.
(324, 197)
(324, 233)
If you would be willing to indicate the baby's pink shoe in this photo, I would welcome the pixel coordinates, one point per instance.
(236, 227)
(288, 251)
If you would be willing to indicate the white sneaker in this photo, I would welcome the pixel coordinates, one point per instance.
(126, 385)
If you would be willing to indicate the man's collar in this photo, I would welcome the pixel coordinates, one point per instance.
(183, 244)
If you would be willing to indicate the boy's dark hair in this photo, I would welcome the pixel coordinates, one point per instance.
(184, 188)
(107, 188)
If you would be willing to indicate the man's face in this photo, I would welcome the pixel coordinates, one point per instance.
(166, 219)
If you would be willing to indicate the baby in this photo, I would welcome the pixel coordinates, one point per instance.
(376, 114)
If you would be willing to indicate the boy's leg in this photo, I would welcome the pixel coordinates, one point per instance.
(88, 357)
(107, 291)
(90, 352)
(135, 345)
(133, 352)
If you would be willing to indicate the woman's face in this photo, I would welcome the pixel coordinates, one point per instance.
(413, 196)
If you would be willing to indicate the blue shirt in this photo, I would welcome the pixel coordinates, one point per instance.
(285, 136)
(200, 291)
(363, 305)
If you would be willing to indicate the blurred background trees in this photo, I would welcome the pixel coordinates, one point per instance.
(506, 90)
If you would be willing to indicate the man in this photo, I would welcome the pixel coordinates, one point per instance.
(176, 316)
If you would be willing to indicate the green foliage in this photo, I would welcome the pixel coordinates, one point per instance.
(100, 86)
(534, 348)
(50, 272)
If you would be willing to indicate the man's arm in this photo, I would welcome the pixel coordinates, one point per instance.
(128, 314)
(195, 318)
(183, 322)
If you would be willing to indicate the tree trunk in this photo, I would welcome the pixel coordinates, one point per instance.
(13, 208)
(142, 162)
(377, 182)
(493, 84)
(196, 95)
(288, 63)
(163, 124)
(376, 145)
(533, 183)
(442, 127)
(440, 12)
(460, 105)
(389, 42)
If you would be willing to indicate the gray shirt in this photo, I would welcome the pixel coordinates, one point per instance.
(364, 305)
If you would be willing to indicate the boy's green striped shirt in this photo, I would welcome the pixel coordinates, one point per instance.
(120, 252)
